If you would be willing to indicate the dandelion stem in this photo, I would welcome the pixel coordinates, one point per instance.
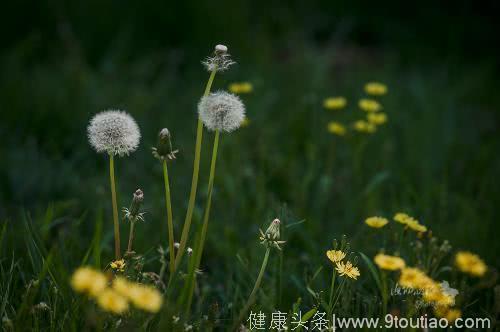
(194, 181)
(115, 206)
(170, 223)
(130, 236)
(330, 303)
(251, 298)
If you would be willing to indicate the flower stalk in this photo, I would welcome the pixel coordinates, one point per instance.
(115, 206)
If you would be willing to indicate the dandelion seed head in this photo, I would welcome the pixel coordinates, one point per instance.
(114, 132)
(221, 111)
(220, 61)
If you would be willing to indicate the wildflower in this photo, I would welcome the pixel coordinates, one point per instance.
(376, 222)
(219, 61)
(132, 213)
(449, 314)
(470, 263)
(364, 127)
(391, 263)
(375, 88)
(89, 281)
(377, 118)
(414, 278)
(221, 111)
(271, 237)
(415, 225)
(401, 218)
(146, 298)
(335, 255)
(163, 149)
(336, 128)
(369, 105)
(118, 265)
(334, 103)
(241, 88)
(347, 269)
(435, 294)
(114, 132)
(111, 301)
(122, 286)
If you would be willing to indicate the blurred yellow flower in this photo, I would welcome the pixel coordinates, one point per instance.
(364, 127)
(377, 118)
(89, 281)
(122, 286)
(436, 295)
(245, 122)
(376, 222)
(111, 301)
(118, 265)
(414, 278)
(241, 87)
(369, 105)
(334, 103)
(336, 128)
(375, 88)
(335, 255)
(413, 224)
(470, 263)
(347, 269)
(449, 314)
(391, 263)
(401, 218)
(146, 298)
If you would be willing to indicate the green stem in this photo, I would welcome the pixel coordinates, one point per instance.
(201, 243)
(115, 206)
(251, 298)
(194, 181)
(330, 303)
(130, 236)
(170, 223)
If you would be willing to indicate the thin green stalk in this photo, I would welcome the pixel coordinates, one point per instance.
(170, 223)
(194, 180)
(130, 236)
(337, 298)
(115, 206)
(201, 243)
(330, 302)
(251, 298)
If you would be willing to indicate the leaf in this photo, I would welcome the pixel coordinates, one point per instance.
(373, 271)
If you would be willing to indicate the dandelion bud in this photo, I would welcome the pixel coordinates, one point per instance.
(272, 235)
(133, 213)
(114, 132)
(220, 61)
(164, 148)
(221, 111)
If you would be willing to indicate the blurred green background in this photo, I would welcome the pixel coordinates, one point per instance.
(437, 158)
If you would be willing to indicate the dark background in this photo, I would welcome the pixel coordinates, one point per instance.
(61, 62)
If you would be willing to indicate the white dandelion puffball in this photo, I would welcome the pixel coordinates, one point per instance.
(114, 132)
(221, 111)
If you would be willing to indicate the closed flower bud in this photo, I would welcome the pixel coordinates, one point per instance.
(133, 213)
(164, 150)
(271, 237)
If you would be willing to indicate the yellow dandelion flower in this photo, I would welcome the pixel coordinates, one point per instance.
(118, 265)
(470, 263)
(334, 103)
(122, 286)
(375, 89)
(89, 281)
(391, 263)
(335, 255)
(336, 128)
(414, 278)
(347, 269)
(369, 105)
(450, 315)
(377, 118)
(111, 301)
(241, 87)
(401, 218)
(146, 298)
(360, 125)
(413, 224)
(376, 222)
(245, 122)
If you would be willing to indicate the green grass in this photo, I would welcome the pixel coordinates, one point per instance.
(435, 159)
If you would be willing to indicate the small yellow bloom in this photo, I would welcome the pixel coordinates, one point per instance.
(377, 118)
(449, 314)
(347, 269)
(470, 263)
(391, 263)
(89, 281)
(376, 222)
(111, 301)
(245, 122)
(369, 105)
(146, 298)
(401, 218)
(335, 255)
(375, 89)
(118, 265)
(364, 127)
(415, 225)
(123, 286)
(336, 128)
(334, 103)
(241, 87)
(414, 278)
